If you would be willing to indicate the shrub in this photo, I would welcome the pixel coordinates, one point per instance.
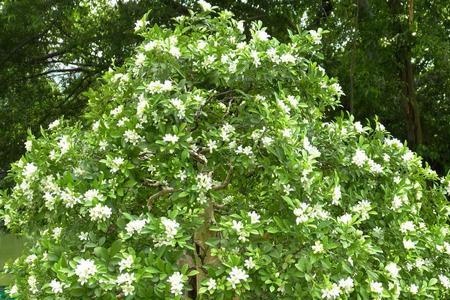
(205, 167)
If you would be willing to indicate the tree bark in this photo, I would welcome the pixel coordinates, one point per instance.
(406, 72)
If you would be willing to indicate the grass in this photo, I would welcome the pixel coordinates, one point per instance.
(10, 248)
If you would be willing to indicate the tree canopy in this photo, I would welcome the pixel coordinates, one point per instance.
(207, 167)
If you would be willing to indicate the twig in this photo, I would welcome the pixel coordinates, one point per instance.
(198, 157)
(162, 192)
(226, 182)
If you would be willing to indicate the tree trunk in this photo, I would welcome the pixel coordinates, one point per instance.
(406, 72)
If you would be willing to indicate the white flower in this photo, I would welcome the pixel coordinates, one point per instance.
(363, 207)
(359, 158)
(392, 269)
(116, 111)
(84, 236)
(267, 141)
(332, 292)
(92, 194)
(126, 263)
(204, 182)
(56, 232)
(413, 289)
(237, 225)
(14, 290)
(254, 217)
(444, 281)
(30, 259)
(317, 247)
(100, 213)
(32, 282)
(336, 195)
(375, 167)
(54, 124)
(140, 24)
(240, 26)
(358, 127)
(212, 145)
(56, 286)
(407, 226)
(288, 58)
(170, 138)
(116, 164)
(150, 46)
(132, 137)
(176, 283)
(211, 284)
(247, 150)
(171, 227)
(287, 133)
(249, 263)
(236, 276)
(261, 35)
(408, 244)
(29, 170)
(409, 155)
(175, 51)
(226, 131)
(157, 87)
(179, 106)
(346, 284)
(125, 280)
(85, 269)
(28, 145)
(135, 226)
(345, 219)
(376, 287)
(316, 36)
(204, 5)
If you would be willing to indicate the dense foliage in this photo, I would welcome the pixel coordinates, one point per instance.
(53, 51)
(206, 168)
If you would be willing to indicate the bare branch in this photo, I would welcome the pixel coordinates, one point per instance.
(226, 182)
(162, 192)
(198, 157)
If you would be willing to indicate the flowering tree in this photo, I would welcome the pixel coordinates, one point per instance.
(205, 169)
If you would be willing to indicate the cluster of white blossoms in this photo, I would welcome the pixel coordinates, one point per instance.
(156, 87)
(135, 226)
(132, 137)
(29, 170)
(125, 281)
(176, 283)
(334, 291)
(204, 182)
(64, 144)
(170, 138)
(226, 131)
(238, 226)
(305, 213)
(100, 213)
(126, 263)
(171, 228)
(85, 269)
(236, 275)
(116, 163)
(360, 157)
(56, 286)
(179, 107)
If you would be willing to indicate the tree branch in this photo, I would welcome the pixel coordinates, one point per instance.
(226, 182)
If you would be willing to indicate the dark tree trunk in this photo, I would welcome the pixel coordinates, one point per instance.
(406, 71)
